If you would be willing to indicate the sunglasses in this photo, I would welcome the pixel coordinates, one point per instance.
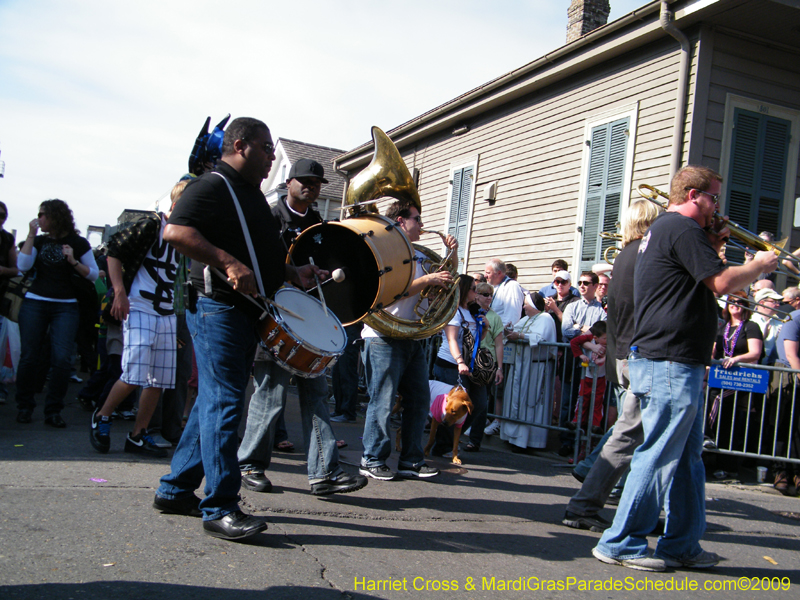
(714, 197)
(560, 282)
(485, 294)
(586, 283)
(418, 218)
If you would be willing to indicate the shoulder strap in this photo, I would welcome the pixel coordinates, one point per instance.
(246, 233)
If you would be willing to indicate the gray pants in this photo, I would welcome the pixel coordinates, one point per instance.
(615, 457)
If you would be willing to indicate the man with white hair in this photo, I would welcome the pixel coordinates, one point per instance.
(508, 294)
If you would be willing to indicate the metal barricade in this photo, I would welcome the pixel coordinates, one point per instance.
(530, 397)
(765, 426)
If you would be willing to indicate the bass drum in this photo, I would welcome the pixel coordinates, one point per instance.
(375, 255)
(307, 346)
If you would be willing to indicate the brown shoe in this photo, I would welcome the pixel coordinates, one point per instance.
(781, 482)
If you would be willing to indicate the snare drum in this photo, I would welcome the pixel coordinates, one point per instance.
(373, 252)
(304, 347)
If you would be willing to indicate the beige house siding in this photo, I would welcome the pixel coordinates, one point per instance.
(533, 149)
(770, 78)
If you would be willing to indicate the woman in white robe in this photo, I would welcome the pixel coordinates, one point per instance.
(529, 388)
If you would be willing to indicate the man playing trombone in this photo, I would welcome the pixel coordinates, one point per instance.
(678, 271)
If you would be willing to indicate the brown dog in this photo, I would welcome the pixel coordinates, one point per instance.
(451, 410)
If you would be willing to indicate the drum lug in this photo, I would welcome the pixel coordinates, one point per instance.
(272, 335)
(390, 226)
(292, 352)
(408, 260)
(276, 349)
(313, 367)
(370, 233)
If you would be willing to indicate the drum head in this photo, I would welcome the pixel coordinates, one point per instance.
(336, 247)
(315, 330)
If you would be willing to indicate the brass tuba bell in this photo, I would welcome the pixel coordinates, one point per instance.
(388, 175)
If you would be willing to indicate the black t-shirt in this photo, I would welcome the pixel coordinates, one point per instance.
(207, 206)
(562, 304)
(53, 271)
(620, 308)
(675, 312)
(291, 223)
(750, 331)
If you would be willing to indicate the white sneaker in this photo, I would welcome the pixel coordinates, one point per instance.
(158, 441)
(492, 429)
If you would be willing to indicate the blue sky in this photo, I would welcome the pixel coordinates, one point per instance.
(100, 101)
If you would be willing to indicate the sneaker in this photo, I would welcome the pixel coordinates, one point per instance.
(644, 563)
(143, 444)
(593, 523)
(341, 484)
(492, 429)
(100, 433)
(159, 441)
(342, 419)
(578, 476)
(709, 444)
(74, 378)
(381, 472)
(422, 471)
(703, 560)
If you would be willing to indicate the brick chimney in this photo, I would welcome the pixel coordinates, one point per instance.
(584, 16)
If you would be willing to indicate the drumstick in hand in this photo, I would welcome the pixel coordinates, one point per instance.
(319, 288)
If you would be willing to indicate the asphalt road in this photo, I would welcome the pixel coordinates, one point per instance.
(75, 524)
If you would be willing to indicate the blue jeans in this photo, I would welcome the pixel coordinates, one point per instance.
(670, 394)
(266, 404)
(476, 421)
(35, 318)
(225, 343)
(345, 375)
(395, 366)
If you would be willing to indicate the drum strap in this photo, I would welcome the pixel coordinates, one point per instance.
(246, 233)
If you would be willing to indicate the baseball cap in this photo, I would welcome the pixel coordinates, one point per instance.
(305, 167)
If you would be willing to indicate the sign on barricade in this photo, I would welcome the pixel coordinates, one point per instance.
(740, 379)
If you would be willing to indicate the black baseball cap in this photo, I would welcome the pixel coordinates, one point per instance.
(305, 167)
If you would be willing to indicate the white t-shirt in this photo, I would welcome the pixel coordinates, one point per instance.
(152, 288)
(403, 308)
(462, 315)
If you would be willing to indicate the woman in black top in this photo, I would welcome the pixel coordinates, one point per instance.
(739, 341)
(60, 257)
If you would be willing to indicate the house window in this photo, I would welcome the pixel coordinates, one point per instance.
(757, 173)
(459, 212)
(605, 182)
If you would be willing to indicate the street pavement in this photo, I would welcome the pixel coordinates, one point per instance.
(76, 524)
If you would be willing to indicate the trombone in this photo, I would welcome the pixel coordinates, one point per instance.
(751, 305)
(748, 239)
(610, 253)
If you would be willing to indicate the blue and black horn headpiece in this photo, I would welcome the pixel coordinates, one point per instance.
(207, 146)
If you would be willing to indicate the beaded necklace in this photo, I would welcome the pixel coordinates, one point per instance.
(729, 343)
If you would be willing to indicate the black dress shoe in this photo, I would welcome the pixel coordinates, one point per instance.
(234, 526)
(55, 421)
(24, 416)
(256, 481)
(187, 506)
(343, 484)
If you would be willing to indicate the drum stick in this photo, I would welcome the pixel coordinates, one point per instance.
(283, 309)
(319, 288)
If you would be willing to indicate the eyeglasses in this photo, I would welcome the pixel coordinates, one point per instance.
(585, 283)
(714, 197)
(485, 294)
(418, 218)
(560, 281)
